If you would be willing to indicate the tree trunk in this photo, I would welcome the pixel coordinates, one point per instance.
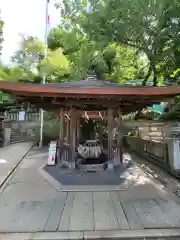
(144, 84)
(147, 76)
(155, 80)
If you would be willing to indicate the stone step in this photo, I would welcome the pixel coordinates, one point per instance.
(18, 141)
(16, 132)
(155, 134)
(149, 234)
(17, 136)
(92, 167)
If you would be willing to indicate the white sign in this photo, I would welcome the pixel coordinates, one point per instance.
(52, 153)
(21, 116)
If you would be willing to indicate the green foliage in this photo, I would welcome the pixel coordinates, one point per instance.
(173, 112)
(16, 73)
(55, 66)
(151, 27)
(50, 131)
(132, 133)
(120, 40)
(72, 52)
(1, 33)
(29, 54)
(88, 128)
(29, 64)
(110, 61)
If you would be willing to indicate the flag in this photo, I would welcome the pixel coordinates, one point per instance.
(47, 22)
(48, 19)
(47, 13)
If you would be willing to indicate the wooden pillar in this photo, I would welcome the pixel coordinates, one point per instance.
(64, 129)
(101, 135)
(67, 121)
(61, 135)
(73, 126)
(110, 137)
(119, 140)
(68, 129)
(78, 129)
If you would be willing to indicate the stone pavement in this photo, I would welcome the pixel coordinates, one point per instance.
(30, 204)
(10, 156)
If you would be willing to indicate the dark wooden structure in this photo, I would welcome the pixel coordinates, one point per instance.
(74, 99)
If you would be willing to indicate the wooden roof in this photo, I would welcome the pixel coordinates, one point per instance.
(90, 94)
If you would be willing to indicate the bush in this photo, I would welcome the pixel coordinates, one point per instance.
(173, 114)
(173, 111)
(50, 132)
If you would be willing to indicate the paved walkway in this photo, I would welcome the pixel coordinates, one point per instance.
(29, 203)
(10, 156)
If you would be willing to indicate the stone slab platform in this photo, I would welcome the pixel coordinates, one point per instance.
(90, 211)
(31, 206)
(54, 175)
(154, 234)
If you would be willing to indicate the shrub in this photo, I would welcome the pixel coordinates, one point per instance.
(50, 132)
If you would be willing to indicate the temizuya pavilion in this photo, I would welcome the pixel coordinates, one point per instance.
(85, 99)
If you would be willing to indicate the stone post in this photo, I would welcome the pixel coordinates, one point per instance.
(7, 136)
(174, 149)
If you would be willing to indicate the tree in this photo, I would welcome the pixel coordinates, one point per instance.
(4, 71)
(29, 63)
(13, 73)
(109, 60)
(56, 68)
(71, 7)
(30, 53)
(151, 27)
(1, 33)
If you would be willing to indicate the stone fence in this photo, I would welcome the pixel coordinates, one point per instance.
(150, 130)
(28, 116)
(150, 150)
(165, 154)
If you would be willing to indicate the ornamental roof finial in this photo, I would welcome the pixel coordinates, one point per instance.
(91, 75)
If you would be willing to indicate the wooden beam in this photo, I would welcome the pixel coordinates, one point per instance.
(74, 99)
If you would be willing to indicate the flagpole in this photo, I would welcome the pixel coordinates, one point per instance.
(44, 76)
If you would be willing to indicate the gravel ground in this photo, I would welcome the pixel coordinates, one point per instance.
(170, 182)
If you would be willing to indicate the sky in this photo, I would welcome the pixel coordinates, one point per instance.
(24, 17)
